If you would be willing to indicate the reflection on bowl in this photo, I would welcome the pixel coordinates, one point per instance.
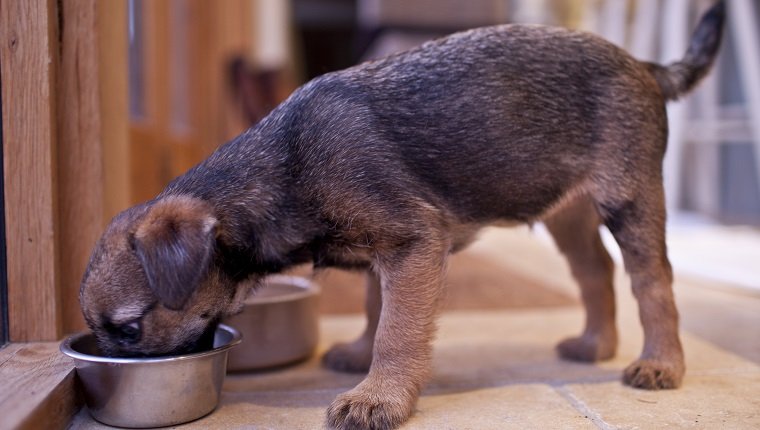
(150, 392)
(279, 323)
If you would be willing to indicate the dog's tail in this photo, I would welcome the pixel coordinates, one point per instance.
(680, 77)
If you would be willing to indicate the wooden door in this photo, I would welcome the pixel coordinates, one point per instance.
(179, 96)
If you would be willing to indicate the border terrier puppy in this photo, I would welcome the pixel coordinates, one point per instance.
(391, 166)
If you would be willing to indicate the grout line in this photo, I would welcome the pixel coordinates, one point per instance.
(307, 391)
(8, 354)
(583, 408)
(748, 369)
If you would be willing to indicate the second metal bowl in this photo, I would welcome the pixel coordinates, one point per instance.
(279, 324)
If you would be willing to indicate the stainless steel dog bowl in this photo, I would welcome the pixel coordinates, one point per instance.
(150, 392)
(279, 324)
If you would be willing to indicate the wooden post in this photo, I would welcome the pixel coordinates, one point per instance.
(80, 171)
(28, 46)
(114, 113)
(93, 155)
(64, 122)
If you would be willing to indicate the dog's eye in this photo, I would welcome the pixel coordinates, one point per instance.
(130, 332)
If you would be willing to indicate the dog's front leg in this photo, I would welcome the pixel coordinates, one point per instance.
(411, 278)
(356, 356)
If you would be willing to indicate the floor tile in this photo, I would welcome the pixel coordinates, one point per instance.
(528, 406)
(705, 401)
(498, 369)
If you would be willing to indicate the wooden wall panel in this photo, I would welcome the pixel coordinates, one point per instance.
(65, 124)
(211, 33)
(230, 34)
(80, 169)
(93, 151)
(114, 106)
(150, 167)
(28, 36)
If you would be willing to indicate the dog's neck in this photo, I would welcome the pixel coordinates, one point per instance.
(264, 224)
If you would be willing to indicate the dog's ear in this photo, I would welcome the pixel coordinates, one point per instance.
(175, 243)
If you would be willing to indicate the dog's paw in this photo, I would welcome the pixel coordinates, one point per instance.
(355, 357)
(363, 409)
(653, 374)
(587, 348)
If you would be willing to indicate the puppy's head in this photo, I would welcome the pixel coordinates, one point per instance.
(151, 286)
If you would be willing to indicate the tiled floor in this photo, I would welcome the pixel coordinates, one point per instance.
(496, 369)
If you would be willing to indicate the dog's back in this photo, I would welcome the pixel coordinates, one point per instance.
(495, 123)
(505, 120)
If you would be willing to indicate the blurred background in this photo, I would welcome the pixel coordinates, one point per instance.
(201, 72)
(164, 83)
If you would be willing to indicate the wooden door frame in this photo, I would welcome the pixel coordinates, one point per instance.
(4, 338)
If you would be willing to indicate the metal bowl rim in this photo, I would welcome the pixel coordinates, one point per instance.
(71, 352)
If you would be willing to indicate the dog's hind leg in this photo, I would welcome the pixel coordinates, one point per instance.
(356, 356)
(638, 225)
(576, 232)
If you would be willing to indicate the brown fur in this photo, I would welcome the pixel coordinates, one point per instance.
(392, 165)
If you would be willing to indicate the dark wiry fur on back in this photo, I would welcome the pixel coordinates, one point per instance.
(483, 110)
